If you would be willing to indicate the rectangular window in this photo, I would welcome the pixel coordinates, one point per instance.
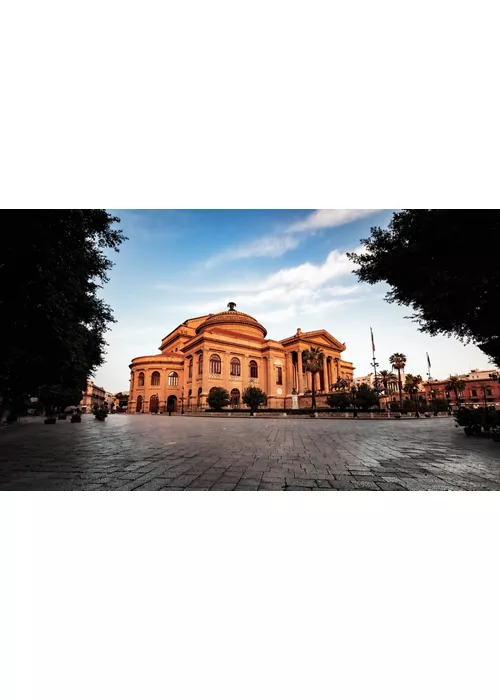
(489, 392)
(279, 375)
(474, 392)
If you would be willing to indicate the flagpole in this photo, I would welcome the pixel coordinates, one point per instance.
(375, 365)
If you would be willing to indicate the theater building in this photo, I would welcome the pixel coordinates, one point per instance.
(230, 349)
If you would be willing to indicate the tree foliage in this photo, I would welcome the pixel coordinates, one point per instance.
(55, 398)
(52, 265)
(365, 396)
(386, 376)
(456, 385)
(254, 397)
(217, 398)
(443, 264)
(339, 399)
(398, 361)
(313, 362)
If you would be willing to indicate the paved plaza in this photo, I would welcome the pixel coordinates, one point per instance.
(201, 453)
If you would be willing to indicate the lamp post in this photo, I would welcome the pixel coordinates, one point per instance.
(182, 402)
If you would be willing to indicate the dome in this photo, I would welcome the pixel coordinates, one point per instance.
(233, 318)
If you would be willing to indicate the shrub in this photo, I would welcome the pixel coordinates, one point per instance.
(339, 400)
(217, 398)
(254, 397)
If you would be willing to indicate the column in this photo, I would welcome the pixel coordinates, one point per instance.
(289, 379)
(317, 379)
(300, 377)
(325, 376)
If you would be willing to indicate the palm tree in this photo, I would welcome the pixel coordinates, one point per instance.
(398, 361)
(456, 385)
(412, 382)
(485, 389)
(313, 360)
(386, 376)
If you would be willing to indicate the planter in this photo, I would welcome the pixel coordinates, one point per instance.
(101, 418)
(397, 415)
(50, 421)
(76, 419)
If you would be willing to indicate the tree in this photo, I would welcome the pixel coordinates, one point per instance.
(386, 376)
(460, 293)
(313, 360)
(340, 400)
(412, 383)
(365, 396)
(486, 391)
(53, 321)
(456, 385)
(56, 398)
(217, 398)
(254, 397)
(398, 361)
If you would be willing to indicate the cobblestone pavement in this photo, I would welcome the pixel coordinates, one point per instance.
(187, 453)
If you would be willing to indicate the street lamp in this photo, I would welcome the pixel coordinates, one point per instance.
(182, 402)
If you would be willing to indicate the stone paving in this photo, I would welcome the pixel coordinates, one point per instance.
(190, 453)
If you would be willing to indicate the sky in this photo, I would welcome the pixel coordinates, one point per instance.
(287, 268)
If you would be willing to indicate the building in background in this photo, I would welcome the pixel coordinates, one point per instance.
(109, 400)
(91, 396)
(480, 390)
(230, 349)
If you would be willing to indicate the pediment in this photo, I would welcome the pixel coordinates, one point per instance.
(323, 338)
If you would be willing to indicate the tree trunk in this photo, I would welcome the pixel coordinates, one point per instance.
(400, 390)
(313, 405)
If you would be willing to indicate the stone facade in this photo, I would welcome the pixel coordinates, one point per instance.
(229, 349)
(92, 395)
(480, 390)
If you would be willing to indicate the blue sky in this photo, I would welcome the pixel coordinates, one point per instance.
(285, 267)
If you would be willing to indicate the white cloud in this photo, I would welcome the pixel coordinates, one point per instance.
(289, 238)
(329, 218)
(265, 247)
(306, 289)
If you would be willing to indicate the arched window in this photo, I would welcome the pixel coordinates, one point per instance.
(235, 398)
(235, 367)
(140, 380)
(200, 363)
(254, 370)
(190, 373)
(138, 405)
(215, 365)
(155, 379)
(173, 379)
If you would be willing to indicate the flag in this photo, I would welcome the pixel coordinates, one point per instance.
(428, 360)
(373, 343)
